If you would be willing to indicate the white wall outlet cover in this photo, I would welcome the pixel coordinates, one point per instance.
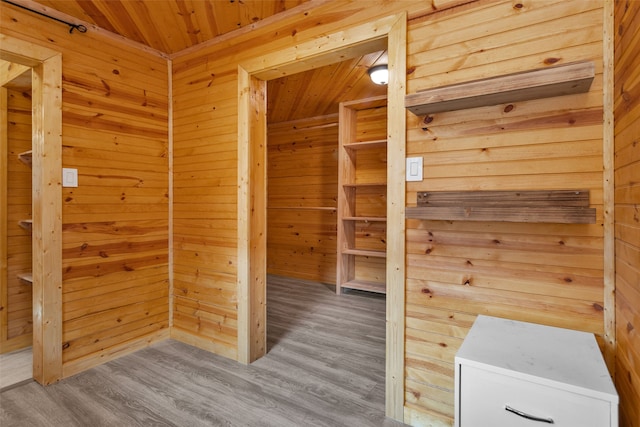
(414, 168)
(69, 177)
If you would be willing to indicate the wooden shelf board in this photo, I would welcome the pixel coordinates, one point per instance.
(545, 214)
(365, 252)
(365, 185)
(559, 80)
(27, 224)
(363, 285)
(26, 277)
(26, 157)
(304, 208)
(365, 145)
(365, 218)
(366, 103)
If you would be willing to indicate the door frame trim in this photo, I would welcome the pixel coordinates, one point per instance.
(388, 32)
(46, 144)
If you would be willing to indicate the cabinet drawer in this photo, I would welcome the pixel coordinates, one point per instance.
(484, 395)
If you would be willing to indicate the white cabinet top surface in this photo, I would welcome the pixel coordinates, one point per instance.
(554, 356)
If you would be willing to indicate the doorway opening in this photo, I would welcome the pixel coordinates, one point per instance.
(46, 162)
(387, 33)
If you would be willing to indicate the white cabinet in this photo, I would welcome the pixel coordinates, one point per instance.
(512, 374)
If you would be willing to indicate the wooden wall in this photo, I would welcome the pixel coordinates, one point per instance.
(543, 273)
(550, 274)
(17, 311)
(302, 171)
(627, 209)
(115, 224)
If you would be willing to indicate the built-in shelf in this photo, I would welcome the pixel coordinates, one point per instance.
(365, 218)
(26, 157)
(566, 79)
(365, 185)
(27, 224)
(363, 285)
(366, 145)
(356, 147)
(365, 252)
(556, 206)
(26, 277)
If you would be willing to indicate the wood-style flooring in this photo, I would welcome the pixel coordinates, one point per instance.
(16, 368)
(325, 367)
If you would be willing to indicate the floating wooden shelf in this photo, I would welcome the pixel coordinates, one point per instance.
(27, 224)
(560, 80)
(362, 285)
(26, 157)
(26, 277)
(560, 207)
(366, 145)
(365, 252)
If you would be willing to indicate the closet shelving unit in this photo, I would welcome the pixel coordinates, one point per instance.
(27, 224)
(352, 218)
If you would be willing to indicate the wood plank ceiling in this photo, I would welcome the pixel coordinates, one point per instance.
(170, 26)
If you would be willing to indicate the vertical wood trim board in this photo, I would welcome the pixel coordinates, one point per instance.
(4, 318)
(244, 209)
(608, 151)
(396, 194)
(47, 219)
(170, 185)
(353, 41)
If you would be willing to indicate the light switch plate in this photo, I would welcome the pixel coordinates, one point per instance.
(69, 177)
(414, 168)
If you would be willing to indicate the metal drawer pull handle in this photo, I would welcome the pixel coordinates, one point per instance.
(528, 416)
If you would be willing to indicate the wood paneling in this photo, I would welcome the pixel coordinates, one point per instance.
(168, 26)
(115, 224)
(544, 273)
(302, 189)
(17, 310)
(627, 208)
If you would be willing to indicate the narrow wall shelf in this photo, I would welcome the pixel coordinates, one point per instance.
(366, 145)
(365, 218)
(557, 206)
(26, 277)
(548, 82)
(26, 157)
(363, 285)
(27, 224)
(365, 252)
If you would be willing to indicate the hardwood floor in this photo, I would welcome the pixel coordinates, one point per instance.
(16, 368)
(325, 367)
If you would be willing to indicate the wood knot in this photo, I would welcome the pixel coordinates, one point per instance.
(508, 108)
(630, 327)
(442, 344)
(425, 290)
(116, 72)
(427, 120)
(550, 61)
(598, 307)
(568, 279)
(469, 263)
(518, 6)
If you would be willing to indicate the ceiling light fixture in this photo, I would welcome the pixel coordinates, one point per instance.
(379, 74)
